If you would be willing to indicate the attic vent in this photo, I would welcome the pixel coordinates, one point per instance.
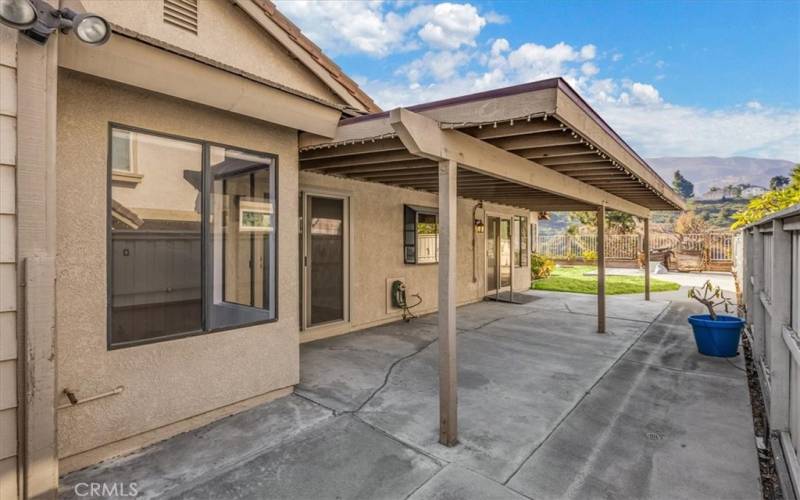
(182, 14)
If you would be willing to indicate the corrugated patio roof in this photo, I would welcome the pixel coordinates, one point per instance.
(545, 122)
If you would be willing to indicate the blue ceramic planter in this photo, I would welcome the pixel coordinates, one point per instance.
(718, 337)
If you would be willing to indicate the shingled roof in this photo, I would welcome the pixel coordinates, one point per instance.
(316, 53)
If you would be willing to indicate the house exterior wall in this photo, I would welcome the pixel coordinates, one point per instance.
(201, 378)
(376, 252)
(165, 382)
(8, 269)
(221, 25)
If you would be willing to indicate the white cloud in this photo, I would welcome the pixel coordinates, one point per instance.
(588, 52)
(342, 26)
(531, 61)
(499, 46)
(452, 63)
(437, 65)
(643, 93)
(378, 28)
(754, 105)
(589, 69)
(669, 130)
(450, 26)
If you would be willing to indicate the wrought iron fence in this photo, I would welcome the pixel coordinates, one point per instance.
(627, 246)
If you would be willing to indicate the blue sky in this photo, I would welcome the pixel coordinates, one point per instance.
(701, 78)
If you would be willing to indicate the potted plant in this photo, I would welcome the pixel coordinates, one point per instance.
(715, 334)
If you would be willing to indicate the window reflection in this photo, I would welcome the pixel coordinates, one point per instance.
(155, 238)
(242, 228)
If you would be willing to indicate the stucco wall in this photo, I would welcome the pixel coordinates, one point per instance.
(376, 253)
(8, 245)
(221, 25)
(168, 381)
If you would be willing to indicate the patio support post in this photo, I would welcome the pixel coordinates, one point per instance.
(601, 269)
(646, 250)
(448, 369)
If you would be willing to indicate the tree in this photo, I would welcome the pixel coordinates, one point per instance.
(690, 223)
(770, 202)
(779, 181)
(682, 185)
(617, 222)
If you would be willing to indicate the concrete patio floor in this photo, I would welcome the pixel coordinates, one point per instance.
(547, 409)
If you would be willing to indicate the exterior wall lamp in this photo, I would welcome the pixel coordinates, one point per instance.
(38, 20)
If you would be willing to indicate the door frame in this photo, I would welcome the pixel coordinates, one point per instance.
(498, 215)
(305, 289)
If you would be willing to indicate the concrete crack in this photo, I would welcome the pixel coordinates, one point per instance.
(389, 374)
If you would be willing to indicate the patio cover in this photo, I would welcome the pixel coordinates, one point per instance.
(538, 146)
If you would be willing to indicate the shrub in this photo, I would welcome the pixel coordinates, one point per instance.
(541, 266)
(589, 256)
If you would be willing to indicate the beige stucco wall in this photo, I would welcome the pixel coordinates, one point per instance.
(168, 381)
(376, 251)
(221, 27)
(8, 288)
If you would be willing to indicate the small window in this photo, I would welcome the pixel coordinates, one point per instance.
(121, 148)
(193, 244)
(521, 252)
(421, 235)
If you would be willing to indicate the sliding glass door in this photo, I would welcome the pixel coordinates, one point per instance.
(325, 262)
(498, 254)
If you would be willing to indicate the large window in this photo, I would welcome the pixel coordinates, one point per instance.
(193, 242)
(521, 252)
(420, 235)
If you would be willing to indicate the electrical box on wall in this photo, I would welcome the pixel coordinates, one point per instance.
(390, 308)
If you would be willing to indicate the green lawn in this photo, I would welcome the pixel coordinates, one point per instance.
(572, 279)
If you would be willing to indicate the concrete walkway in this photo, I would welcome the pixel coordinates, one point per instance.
(548, 409)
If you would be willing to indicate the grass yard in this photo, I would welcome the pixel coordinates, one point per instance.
(572, 279)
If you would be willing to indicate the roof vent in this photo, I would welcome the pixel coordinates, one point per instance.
(181, 14)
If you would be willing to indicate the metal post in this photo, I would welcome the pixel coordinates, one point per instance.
(646, 249)
(448, 371)
(601, 269)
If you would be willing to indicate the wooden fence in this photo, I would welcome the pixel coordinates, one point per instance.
(767, 263)
(628, 246)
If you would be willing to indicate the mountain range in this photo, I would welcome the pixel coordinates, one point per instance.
(708, 171)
